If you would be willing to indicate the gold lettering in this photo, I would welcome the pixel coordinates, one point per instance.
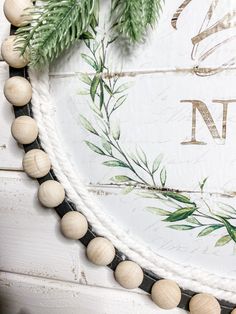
(201, 107)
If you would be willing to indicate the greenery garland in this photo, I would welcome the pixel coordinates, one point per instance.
(177, 209)
(56, 25)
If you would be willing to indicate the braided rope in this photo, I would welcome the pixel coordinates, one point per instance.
(188, 277)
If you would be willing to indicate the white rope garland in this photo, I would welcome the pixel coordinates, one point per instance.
(188, 277)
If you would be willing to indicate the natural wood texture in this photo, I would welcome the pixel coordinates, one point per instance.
(12, 56)
(129, 275)
(24, 129)
(100, 251)
(36, 163)
(51, 193)
(204, 304)
(21, 294)
(15, 11)
(74, 225)
(18, 91)
(166, 294)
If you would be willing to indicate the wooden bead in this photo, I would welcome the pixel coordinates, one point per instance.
(100, 251)
(51, 193)
(74, 225)
(11, 55)
(24, 129)
(16, 13)
(166, 294)
(234, 311)
(129, 275)
(36, 163)
(204, 304)
(18, 91)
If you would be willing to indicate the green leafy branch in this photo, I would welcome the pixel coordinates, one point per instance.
(132, 18)
(107, 95)
(54, 27)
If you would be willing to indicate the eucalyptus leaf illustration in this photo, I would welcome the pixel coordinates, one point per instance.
(87, 125)
(178, 197)
(158, 211)
(180, 214)
(209, 230)
(94, 86)
(223, 240)
(121, 179)
(95, 148)
(115, 163)
(182, 227)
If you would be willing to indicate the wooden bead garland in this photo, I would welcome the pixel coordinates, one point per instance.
(36, 163)
(51, 193)
(166, 294)
(18, 91)
(204, 304)
(129, 275)
(100, 251)
(15, 11)
(12, 56)
(74, 225)
(24, 129)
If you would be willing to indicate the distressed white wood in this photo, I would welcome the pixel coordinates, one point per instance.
(4, 26)
(29, 295)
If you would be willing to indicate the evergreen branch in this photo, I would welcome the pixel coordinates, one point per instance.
(151, 11)
(55, 27)
(132, 18)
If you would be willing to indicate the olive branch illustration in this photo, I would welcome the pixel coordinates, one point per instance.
(107, 95)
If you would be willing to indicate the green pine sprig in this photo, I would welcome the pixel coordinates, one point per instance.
(132, 18)
(55, 26)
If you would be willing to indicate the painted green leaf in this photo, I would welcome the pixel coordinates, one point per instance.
(156, 163)
(227, 208)
(95, 148)
(107, 88)
(115, 163)
(121, 179)
(128, 189)
(202, 184)
(181, 214)
(163, 177)
(94, 86)
(158, 211)
(193, 220)
(86, 35)
(209, 230)
(106, 145)
(178, 197)
(89, 60)
(142, 156)
(122, 88)
(87, 125)
(85, 78)
(115, 130)
(223, 240)
(181, 227)
(230, 228)
(120, 102)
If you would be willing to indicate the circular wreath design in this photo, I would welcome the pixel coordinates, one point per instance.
(151, 265)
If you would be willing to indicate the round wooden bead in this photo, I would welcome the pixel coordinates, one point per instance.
(129, 275)
(14, 11)
(24, 129)
(204, 304)
(18, 91)
(74, 225)
(234, 311)
(51, 193)
(36, 163)
(11, 55)
(100, 251)
(166, 294)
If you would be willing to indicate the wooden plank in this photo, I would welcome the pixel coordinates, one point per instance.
(4, 26)
(29, 295)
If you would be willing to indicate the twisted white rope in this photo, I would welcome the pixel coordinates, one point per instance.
(188, 277)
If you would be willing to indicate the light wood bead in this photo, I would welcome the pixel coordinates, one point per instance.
(24, 130)
(12, 56)
(51, 193)
(166, 294)
(36, 163)
(234, 311)
(18, 91)
(204, 304)
(74, 225)
(14, 11)
(100, 251)
(129, 274)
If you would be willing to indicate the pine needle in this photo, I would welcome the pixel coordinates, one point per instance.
(56, 25)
